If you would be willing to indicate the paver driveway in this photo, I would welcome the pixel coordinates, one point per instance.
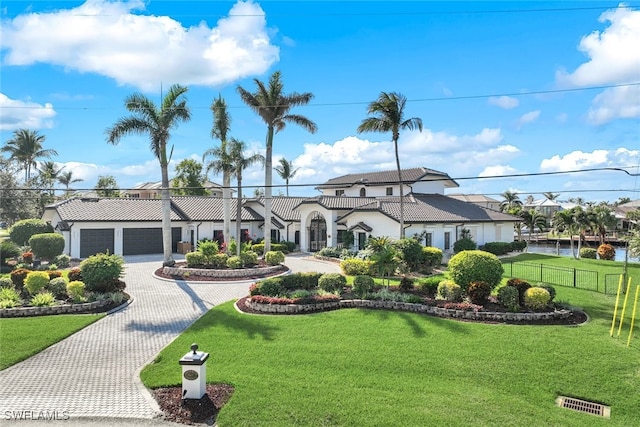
(94, 373)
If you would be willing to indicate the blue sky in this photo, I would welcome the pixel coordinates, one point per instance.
(502, 88)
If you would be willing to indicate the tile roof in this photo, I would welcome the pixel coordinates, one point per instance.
(338, 202)
(474, 198)
(283, 206)
(386, 177)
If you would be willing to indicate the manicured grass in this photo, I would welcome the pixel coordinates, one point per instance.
(21, 338)
(365, 367)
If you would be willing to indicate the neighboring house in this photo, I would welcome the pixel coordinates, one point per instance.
(548, 207)
(153, 190)
(621, 211)
(129, 226)
(478, 199)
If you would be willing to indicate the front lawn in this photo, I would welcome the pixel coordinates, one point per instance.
(364, 367)
(21, 338)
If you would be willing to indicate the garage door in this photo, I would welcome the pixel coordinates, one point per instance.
(95, 241)
(138, 241)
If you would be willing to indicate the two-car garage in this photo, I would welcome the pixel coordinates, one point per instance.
(135, 241)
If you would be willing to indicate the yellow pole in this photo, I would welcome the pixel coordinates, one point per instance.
(624, 305)
(633, 314)
(615, 310)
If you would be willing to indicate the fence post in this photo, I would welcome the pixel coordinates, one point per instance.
(574, 277)
(541, 266)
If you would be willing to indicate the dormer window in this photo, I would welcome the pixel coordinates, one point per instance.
(389, 191)
(363, 192)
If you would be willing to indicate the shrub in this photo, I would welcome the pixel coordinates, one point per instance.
(521, 286)
(536, 298)
(195, 259)
(219, 260)
(62, 261)
(432, 256)
(248, 258)
(332, 282)
(429, 285)
(258, 248)
(74, 274)
(36, 281)
(6, 282)
(464, 244)
(271, 287)
(478, 292)
(606, 252)
(518, 245)
(274, 257)
(17, 277)
(208, 249)
(411, 253)
(75, 290)
(329, 252)
(47, 245)
(9, 298)
(234, 262)
(291, 246)
(27, 257)
(588, 253)
(464, 306)
(362, 285)
(548, 288)
(450, 291)
(509, 297)
(307, 281)
(8, 249)
(21, 231)
(58, 287)
(355, 266)
(44, 299)
(101, 271)
(469, 266)
(406, 284)
(497, 248)
(54, 273)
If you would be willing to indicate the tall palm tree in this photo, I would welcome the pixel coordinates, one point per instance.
(50, 173)
(581, 224)
(66, 179)
(240, 162)
(220, 130)
(388, 116)
(511, 201)
(562, 222)
(274, 106)
(551, 196)
(285, 171)
(602, 218)
(25, 147)
(533, 219)
(157, 123)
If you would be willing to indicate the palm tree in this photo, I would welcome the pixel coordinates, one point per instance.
(241, 162)
(602, 218)
(581, 224)
(533, 219)
(50, 173)
(551, 196)
(157, 123)
(273, 107)
(563, 221)
(66, 179)
(388, 116)
(220, 130)
(26, 148)
(511, 201)
(285, 171)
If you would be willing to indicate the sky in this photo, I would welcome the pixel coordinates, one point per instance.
(503, 88)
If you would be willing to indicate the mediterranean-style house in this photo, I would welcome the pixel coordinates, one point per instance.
(365, 204)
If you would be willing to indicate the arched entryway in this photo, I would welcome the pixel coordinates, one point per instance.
(317, 232)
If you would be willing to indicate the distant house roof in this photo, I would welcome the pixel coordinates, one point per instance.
(473, 198)
(337, 202)
(389, 177)
(631, 204)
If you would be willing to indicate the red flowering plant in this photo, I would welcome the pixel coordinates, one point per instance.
(465, 306)
(27, 257)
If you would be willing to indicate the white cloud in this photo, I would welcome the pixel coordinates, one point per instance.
(529, 117)
(18, 114)
(108, 38)
(595, 159)
(615, 103)
(497, 170)
(614, 56)
(506, 102)
(489, 136)
(562, 118)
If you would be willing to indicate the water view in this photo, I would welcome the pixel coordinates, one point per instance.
(565, 250)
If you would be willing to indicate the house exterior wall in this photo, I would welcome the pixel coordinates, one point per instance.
(428, 187)
(370, 190)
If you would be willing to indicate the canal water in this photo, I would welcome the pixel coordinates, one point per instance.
(565, 250)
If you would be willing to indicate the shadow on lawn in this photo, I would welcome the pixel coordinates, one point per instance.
(251, 326)
(417, 327)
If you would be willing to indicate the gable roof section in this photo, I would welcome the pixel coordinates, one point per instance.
(389, 177)
(337, 202)
(283, 206)
(473, 198)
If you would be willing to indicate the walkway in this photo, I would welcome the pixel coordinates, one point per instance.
(94, 373)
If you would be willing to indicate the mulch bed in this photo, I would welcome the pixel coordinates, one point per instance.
(192, 411)
(196, 278)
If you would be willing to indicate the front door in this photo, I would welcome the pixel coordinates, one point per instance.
(317, 233)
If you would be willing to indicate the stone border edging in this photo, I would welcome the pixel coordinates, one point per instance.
(56, 309)
(406, 306)
(237, 273)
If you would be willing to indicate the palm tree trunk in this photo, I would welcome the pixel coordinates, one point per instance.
(239, 216)
(268, 178)
(166, 215)
(395, 143)
(287, 182)
(226, 205)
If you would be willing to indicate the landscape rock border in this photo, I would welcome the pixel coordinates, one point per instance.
(56, 309)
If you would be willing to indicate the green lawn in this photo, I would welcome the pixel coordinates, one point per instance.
(21, 338)
(364, 367)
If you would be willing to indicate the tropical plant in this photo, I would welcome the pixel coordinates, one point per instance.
(43, 299)
(511, 200)
(388, 116)
(533, 219)
(606, 252)
(551, 196)
(189, 180)
(66, 179)
(274, 106)
(157, 123)
(602, 218)
(478, 292)
(563, 222)
(385, 261)
(107, 186)
(50, 173)
(286, 171)
(25, 148)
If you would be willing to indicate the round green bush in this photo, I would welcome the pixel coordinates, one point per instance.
(449, 290)
(606, 252)
(62, 261)
(195, 259)
(588, 253)
(101, 271)
(362, 285)
(58, 287)
(274, 257)
(75, 290)
(470, 266)
(536, 298)
(21, 231)
(355, 266)
(509, 297)
(36, 281)
(270, 287)
(406, 284)
(47, 246)
(219, 260)
(43, 299)
(464, 244)
(521, 286)
(248, 258)
(234, 262)
(332, 282)
(432, 256)
(478, 292)
(550, 289)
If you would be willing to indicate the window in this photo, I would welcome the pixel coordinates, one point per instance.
(340, 236)
(362, 240)
(389, 191)
(363, 192)
(447, 240)
(218, 236)
(275, 235)
(339, 192)
(428, 239)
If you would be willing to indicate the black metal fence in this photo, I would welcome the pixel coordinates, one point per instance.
(562, 276)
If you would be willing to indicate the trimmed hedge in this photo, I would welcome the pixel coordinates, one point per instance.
(274, 257)
(469, 266)
(356, 266)
(588, 253)
(102, 272)
(21, 231)
(332, 282)
(432, 256)
(47, 245)
(282, 247)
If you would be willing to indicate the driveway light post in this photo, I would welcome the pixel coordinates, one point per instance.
(194, 373)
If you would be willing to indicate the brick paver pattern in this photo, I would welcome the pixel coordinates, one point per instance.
(94, 372)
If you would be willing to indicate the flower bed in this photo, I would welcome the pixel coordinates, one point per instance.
(55, 309)
(226, 273)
